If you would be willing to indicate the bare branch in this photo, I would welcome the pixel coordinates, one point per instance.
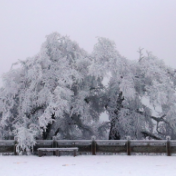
(146, 133)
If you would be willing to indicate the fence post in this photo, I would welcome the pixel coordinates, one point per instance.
(128, 145)
(168, 152)
(15, 144)
(54, 144)
(93, 146)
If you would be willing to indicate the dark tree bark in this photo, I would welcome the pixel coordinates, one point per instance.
(114, 133)
(48, 128)
(148, 134)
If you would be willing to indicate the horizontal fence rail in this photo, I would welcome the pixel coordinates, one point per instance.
(99, 146)
(8, 146)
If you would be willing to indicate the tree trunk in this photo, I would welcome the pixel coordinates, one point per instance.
(48, 128)
(114, 133)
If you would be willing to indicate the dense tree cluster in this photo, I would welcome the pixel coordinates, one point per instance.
(61, 92)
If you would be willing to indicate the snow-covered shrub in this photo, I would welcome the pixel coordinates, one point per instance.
(25, 139)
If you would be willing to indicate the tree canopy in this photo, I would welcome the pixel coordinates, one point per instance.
(61, 92)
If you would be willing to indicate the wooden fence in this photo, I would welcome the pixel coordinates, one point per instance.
(100, 146)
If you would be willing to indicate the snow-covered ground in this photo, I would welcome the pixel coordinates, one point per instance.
(87, 166)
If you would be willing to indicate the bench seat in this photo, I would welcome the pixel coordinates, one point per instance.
(57, 150)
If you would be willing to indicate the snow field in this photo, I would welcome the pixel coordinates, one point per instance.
(87, 166)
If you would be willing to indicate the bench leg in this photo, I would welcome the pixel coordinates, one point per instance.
(74, 152)
(40, 153)
(57, 153)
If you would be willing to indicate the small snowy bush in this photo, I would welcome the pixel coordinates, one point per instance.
(25, 139)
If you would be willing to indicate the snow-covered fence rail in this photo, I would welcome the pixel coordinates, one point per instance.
(137, 146)
(8, 146)
(111, 146)
(83, 145)
(99, 146)
(115, 146)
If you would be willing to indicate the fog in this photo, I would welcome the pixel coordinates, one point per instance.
(149, 24)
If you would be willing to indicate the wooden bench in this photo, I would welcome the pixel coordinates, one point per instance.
(57, 150)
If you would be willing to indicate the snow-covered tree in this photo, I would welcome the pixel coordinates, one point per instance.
(131, 84)
(60, 92)
(38, 92)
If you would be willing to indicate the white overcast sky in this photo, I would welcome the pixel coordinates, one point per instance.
(149, 24)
